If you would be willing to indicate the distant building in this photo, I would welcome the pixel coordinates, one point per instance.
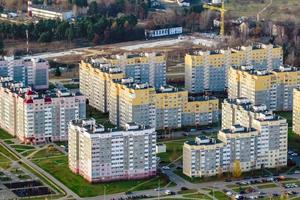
(31, 72)
(184, 3)
(155, 33)
(48, 12)
(101, 155)
(37, 117)
(208, 70)
(296, 111)
(272, 88)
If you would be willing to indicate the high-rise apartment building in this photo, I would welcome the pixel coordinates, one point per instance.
(253, 136)
(271, 88)
(143, 68)
(296, 111)
(95, 79)
(208, 70)
(31, 72)
(131, 102)
(36, 117)
(101, 155)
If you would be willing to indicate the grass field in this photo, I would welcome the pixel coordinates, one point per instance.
(58, 167)
(198, 196)
(279, 10)
(4, 135)
(174, 150)
(45, 153)
(219, 195)
(101, 118)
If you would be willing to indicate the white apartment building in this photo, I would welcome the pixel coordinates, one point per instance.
(101, 155)
(38, 117)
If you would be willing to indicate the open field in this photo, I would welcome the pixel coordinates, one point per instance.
(280, 10)
(57, 166)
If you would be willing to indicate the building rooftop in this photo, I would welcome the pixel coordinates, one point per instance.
(168, 89)
(201, 98)
(131, 84)
(92, 127)
(50, 8)
(203, 140)
(252, 71)
(237, 129)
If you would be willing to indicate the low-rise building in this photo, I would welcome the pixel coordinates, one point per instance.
(101, 155)
(37, 117)
(296, 111)
(48, 12)
(160, 148)
(272, 88)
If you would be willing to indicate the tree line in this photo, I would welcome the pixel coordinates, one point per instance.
(95, 28)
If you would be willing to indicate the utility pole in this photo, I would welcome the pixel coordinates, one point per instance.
(27, 42)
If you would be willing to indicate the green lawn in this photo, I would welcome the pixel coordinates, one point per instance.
(26, 153)
(8, 142)
(4, 162)
(4, 135)
(265, 186)
(45, 153)
(197, 195)
(187, 191)
(71, 86)
(7, 153)
(25, 147)
(287, 115)
(101, 118)
(219, 195)
(174, 150)
(58, 167)
(293, 141)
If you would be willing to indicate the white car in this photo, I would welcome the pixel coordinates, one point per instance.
(168, 192)
(166, 168)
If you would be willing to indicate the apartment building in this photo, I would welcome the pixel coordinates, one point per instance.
(208, 70)
(164, 108)
(143, 68)
(31, 72)
(169, 105)
(262, 144)
(95, 79)
(271, 88)
(37, 117)
(296, 111)
(199, 111)
(101, 155)
(131, 102)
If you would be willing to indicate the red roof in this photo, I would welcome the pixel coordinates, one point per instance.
(28, 101)
(29, 92)
(48, 100)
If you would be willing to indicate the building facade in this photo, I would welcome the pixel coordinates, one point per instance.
(143, 68)
(271, 88)
(38, 117)
(208, 70)
(95, 80)
(48, 12)
(164, 108)
(251, 135)
(131, 102)
(296, 111)
(31, 72)
(101, 155)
